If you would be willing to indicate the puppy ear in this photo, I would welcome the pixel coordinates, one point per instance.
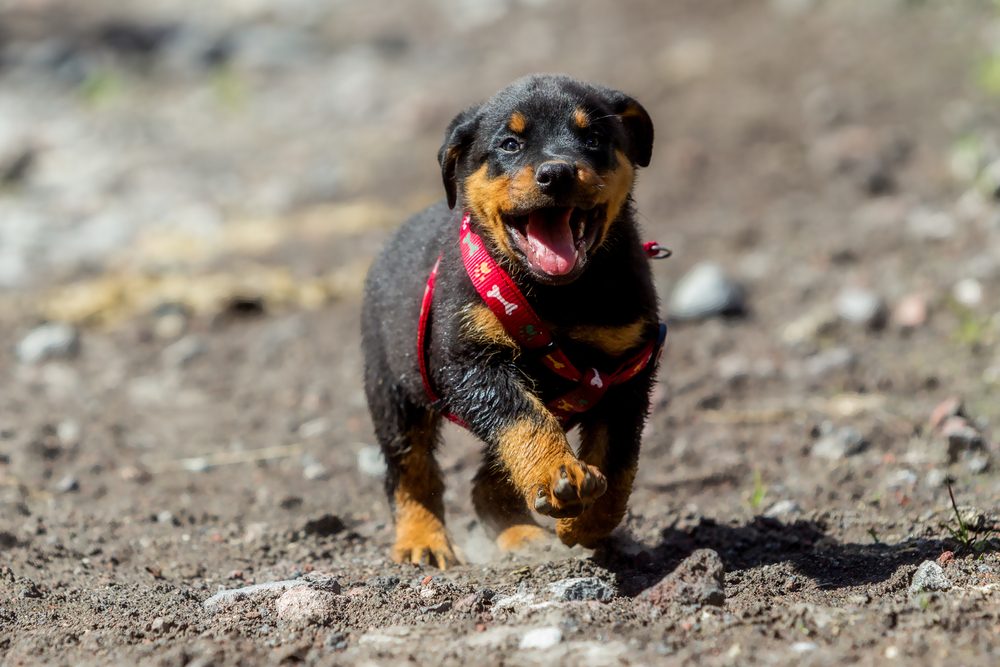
(637, 123)
(461, 130)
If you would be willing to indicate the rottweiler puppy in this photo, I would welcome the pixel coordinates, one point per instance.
(543, 173)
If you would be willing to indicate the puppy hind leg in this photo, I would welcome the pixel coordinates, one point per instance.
(502, 509)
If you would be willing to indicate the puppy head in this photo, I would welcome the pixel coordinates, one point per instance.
(546, 166)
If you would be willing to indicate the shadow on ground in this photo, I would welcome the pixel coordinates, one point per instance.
(804, 545)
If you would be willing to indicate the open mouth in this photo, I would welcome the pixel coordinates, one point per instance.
(555, 240)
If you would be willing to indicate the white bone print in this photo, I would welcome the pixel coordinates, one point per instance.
(508, 307)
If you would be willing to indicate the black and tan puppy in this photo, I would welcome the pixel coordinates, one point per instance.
(545, 169)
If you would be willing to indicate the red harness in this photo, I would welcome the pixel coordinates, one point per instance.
(505, 300)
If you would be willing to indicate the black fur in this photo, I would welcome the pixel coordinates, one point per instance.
(484, 385)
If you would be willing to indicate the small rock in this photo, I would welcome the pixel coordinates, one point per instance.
(166, 516)
(968, 292)
(962, 437)
(945, 558)
(901, 478)
(383, 584)
(829, 361)
(861, 307)
(324, 526)
(159, 624)
(225, 598)
(182, 352)
(949, 407)
(476, 602)
(49, 341)
(303, 604)
(67, 484)
(733, 368)
(705, 291)
(582, 588)
(371, 461)
(69, 433)
(935, 478)
(314, 427)
(541, 638)
(925, 224)
(838, 443)
(438, 608)
(929, 577)
(782, 508)
(977, 463)
(698, 580)
(814, 324)
(315, 471)
(910, 312)
(803, 647)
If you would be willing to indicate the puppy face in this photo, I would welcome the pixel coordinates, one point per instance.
(546, 166)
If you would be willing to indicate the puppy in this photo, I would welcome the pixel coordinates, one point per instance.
(520, 306)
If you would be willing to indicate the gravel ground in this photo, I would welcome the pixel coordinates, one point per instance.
(190, 194)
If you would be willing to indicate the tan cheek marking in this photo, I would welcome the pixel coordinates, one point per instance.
(489, 199)
(612, 340)
(617, 186)
(481, 325)
(581, 118)
(518, 123)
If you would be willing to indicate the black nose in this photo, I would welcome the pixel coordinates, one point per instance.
(554, 177)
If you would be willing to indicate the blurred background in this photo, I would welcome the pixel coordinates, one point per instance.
(191, 192)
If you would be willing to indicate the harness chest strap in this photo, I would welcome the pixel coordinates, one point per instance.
(519, 319)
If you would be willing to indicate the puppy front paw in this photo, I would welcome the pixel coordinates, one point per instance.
(569, 488)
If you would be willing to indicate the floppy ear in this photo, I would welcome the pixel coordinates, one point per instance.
(637, 123)
(457, 138)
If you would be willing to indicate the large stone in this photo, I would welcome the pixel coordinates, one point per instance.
(706, 291)
(305, 604)
(49, 341)
(699, 580)
(929, 577)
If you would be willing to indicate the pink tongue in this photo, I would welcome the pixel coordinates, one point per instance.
(550, 242)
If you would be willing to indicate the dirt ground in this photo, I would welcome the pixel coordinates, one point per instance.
(197, 188)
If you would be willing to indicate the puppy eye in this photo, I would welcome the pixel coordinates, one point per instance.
(510, 145)
(594, 140)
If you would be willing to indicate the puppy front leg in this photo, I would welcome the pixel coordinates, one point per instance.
(526, 440)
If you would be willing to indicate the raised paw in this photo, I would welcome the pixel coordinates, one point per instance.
(570, 488)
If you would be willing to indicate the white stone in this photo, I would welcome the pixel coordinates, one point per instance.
(541, 638)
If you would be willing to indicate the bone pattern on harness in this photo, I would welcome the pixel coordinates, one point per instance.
(504, 299)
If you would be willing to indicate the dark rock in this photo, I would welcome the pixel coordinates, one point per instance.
(698, 580)
(324, 526)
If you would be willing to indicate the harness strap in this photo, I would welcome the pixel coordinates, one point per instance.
(519, 319)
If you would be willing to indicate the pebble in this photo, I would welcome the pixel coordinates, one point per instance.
(861, 307)
(68, 484)
(582, 588)
(182, 352)
(225, 598)
(541, 638)
(698, 580)
(901, 478)
(803, 647)
(315, 471)
(829, 361)
(911, 312)
(49, 341)
(929, 577)
(838, 443)
(924, 224)
(705, 291)
(69, 433)
(949, 407)
(304, 604)
(371, 462)
(783, 508)
(810, 326)
(968, 292)
(935, 478)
